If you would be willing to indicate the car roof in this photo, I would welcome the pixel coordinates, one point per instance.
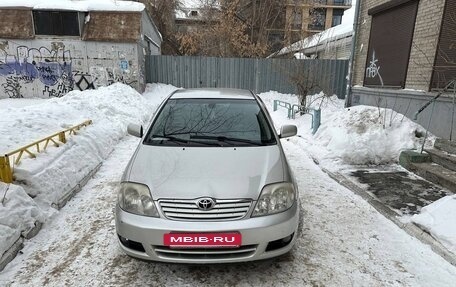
(212, 93)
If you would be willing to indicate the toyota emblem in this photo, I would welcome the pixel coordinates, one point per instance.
(205, 203)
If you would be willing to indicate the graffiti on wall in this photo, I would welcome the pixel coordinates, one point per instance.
(373, 70)
(52, 67)
(50, 72)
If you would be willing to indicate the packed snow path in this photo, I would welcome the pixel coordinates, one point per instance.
(345, 242)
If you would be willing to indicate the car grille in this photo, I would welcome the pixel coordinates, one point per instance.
(186, 209)
(205, 253)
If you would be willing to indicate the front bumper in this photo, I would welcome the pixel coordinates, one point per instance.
(256, 233)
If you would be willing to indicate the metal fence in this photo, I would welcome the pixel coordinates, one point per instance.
(258, 75)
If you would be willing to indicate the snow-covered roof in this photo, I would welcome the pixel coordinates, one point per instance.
(186, 7)
(191, 3)
(75, 5)
(345, 29)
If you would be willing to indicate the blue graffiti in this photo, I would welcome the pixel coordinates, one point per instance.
(34, 65)
(48, 73)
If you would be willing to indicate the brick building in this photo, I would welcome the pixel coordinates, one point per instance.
(50, 48)
(404, 55)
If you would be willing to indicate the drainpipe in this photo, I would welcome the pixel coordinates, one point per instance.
(348, 99)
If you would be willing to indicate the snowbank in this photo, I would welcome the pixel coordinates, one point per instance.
(439, 219)
(18, 213)
(360, 135)
(364, 135)
(57, 170)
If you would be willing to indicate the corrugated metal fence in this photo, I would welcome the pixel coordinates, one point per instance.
(259, 75)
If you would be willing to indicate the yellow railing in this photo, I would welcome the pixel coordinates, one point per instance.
(6, 173)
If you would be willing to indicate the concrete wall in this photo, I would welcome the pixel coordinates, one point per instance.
(443, 123)
(48, 67)
(150, 44)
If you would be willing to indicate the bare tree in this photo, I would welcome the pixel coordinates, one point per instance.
(163, 14)
(224, 37)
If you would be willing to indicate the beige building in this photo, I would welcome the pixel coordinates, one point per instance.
(306, 17)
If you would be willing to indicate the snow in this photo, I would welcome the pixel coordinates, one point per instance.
(360, 135)
(76, 5)
(18, 213)
(343, 30)
(439, 219)
(22, 102)
(345, 241)
(54, 172)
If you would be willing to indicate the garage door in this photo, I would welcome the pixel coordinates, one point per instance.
(390, 42)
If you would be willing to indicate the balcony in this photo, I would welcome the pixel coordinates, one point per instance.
(315, 27)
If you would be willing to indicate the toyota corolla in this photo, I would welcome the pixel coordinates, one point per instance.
(208, 182)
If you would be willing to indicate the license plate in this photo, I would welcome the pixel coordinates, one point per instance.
(195, 240)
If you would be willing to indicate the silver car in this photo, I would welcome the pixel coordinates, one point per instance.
(208, 183)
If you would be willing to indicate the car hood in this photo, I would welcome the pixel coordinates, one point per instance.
(192, 172)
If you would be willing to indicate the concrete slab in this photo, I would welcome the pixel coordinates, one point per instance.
(351, 179)
(398, 189)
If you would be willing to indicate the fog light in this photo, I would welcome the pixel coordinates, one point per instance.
(131, 244)
(277, 244)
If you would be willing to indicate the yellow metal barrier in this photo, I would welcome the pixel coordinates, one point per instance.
(6, 173)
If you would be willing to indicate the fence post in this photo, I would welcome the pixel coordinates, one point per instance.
(316, 121)
(6, 175)
(257, 76)
(62, 137)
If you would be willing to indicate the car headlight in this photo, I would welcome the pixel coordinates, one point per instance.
(135, 198)
(275, 198)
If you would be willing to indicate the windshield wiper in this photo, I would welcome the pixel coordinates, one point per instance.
(226, 139)
(181, 140)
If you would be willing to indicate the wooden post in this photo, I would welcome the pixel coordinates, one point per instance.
(6, 175)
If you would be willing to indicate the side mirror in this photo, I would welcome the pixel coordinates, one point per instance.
(135, 130)
(287, 131)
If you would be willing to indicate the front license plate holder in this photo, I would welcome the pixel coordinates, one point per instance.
(202, 240)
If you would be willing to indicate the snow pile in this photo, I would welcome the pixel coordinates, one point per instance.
(57, 170)
(19, 102)
(18, 213)
(54, 172)
(364, 135)
(360, 135)
(76, 5)
(439, 219)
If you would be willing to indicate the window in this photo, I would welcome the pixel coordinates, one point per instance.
(210, 122)
(389, 45)
(337, 17)
(275, 40)
(297, 19)
(194, 13)
(317, 19)
(341, 2)
(56, 23)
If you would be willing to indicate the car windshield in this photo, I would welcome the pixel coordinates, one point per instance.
(210, 122)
